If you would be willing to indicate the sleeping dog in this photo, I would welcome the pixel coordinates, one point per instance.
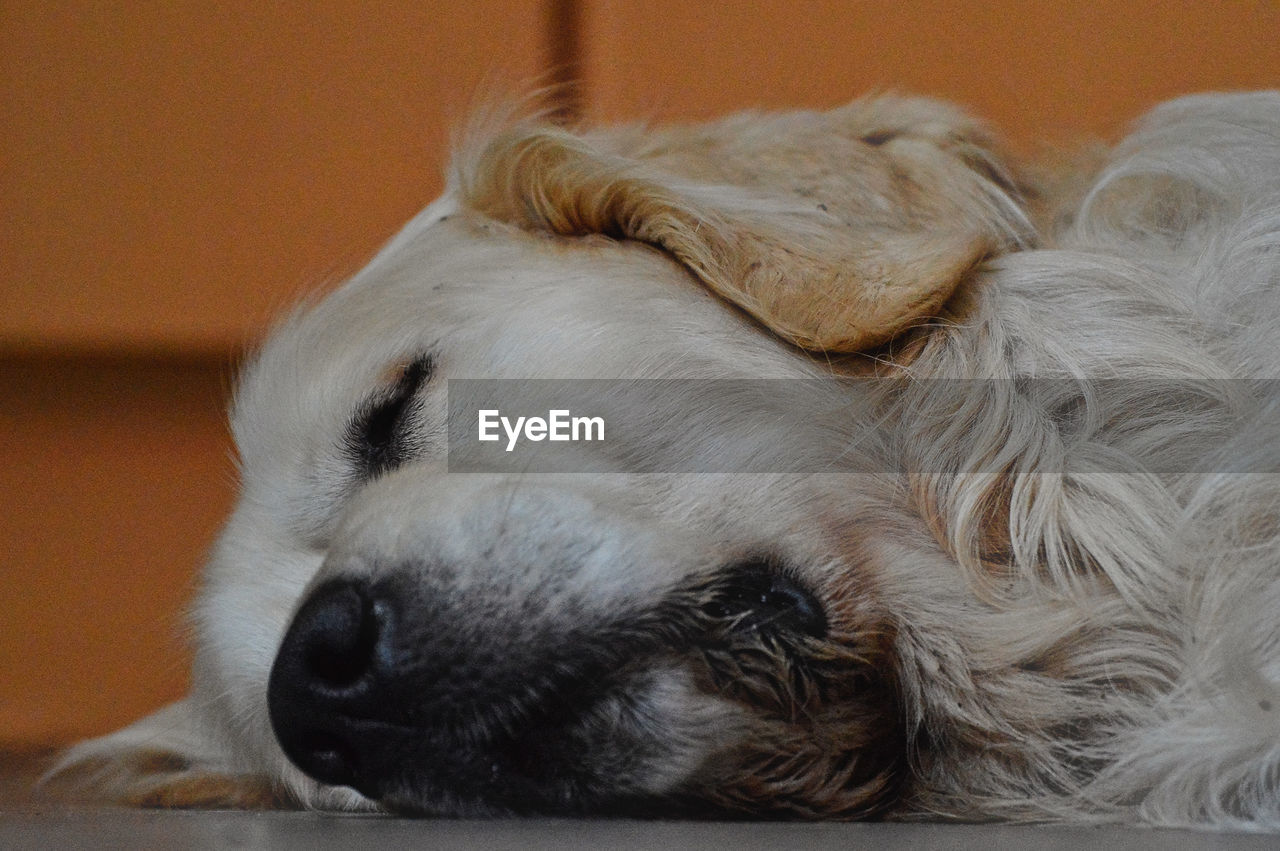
(928, 485)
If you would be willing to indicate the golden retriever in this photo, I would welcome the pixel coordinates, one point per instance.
(925, 487)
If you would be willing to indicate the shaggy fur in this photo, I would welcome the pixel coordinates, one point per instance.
(1046, 592)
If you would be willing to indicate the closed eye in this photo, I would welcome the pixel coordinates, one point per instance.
(377, 437)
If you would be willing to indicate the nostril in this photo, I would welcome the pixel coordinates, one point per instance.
(337, 634)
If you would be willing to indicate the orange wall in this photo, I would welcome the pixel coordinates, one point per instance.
(173, 174)
(1035, 69)
(210, 161)
(115, 476)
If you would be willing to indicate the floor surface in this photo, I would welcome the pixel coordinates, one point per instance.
(27, 822)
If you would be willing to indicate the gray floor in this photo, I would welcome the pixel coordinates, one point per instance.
(53, 829)
(27, 822)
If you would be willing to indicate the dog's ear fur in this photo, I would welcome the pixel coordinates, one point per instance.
(164, 760)
(836, 230)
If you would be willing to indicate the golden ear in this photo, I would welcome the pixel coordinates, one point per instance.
(835, 248)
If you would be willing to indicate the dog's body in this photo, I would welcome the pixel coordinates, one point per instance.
(953, 618)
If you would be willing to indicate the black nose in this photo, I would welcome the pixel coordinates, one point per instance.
(325, 682)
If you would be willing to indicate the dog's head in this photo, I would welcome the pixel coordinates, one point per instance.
(497, 642)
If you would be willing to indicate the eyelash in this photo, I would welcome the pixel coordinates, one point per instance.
(375, 437)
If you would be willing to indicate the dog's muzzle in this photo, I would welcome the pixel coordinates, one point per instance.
(423, 701)
(378, 687)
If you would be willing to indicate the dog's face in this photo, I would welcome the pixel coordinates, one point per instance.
(498, 642)
(471, 643)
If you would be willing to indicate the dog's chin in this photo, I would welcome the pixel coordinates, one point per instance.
(586, 785)
(429, 801)
(637, 750)
(438, 803)
(570, 799)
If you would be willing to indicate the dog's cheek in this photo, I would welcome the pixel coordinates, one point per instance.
(827, 735)
(804, 778)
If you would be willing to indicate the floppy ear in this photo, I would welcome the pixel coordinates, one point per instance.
(836, 230)
(164, 760)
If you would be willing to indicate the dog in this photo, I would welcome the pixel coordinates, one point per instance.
(934, 486)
